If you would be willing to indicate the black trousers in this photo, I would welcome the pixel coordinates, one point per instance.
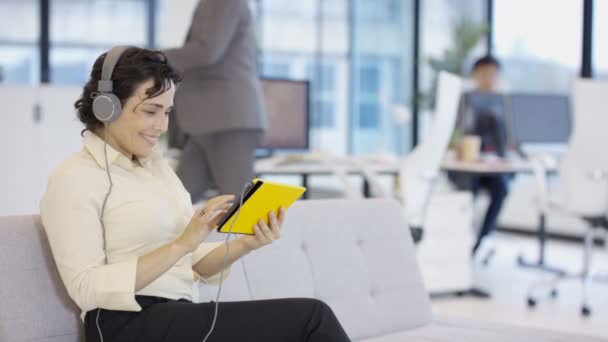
(167, 320)
(498, 188)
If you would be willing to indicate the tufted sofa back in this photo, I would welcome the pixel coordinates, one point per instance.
(356, 255)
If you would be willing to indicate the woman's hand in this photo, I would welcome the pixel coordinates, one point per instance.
(265, 233)
(203, 222)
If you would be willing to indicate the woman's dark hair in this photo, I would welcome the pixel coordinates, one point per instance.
(486, 60)
(135, 66)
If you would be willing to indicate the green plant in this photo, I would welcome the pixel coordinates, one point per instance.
(466, 34)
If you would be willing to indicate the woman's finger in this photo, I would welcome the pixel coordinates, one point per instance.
(259, 236)
(219, 200)
(223, 198)
(281, 215)
(209, 212)
(275, 227)
(217, 218)
(269, 236)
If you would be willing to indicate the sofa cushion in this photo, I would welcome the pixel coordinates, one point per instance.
(356, 255)
(234, 287)
(34, 305)
(454, 329)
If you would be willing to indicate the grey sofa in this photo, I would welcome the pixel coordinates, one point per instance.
(355, 255)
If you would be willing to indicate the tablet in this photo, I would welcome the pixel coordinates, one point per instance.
(260, 198)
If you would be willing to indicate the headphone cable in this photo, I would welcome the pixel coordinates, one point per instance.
(219, 291)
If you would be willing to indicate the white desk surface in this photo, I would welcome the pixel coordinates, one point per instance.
(279, 166)
(497, 166)
(275, 166)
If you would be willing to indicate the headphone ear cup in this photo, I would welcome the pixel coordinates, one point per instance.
(106, 107)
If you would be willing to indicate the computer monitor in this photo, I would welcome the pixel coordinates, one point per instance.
(484, 102)
(287, 111)
(540, 118)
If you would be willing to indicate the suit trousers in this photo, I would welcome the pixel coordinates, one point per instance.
(165, 320)
(222, 161)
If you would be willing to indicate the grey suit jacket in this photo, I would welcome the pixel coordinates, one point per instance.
(221, 89)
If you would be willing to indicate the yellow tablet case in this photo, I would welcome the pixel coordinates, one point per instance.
(269, 196)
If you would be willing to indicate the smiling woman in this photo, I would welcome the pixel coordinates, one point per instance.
(126, 240)
(145, 86)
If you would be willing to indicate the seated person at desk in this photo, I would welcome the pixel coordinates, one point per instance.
(483, 115)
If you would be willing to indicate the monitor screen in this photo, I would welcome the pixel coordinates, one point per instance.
(540, 118)
(287, 110)
(483, 102)
(476, 108)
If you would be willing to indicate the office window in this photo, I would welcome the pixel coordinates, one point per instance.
(19, 52)
(381, 75)
(275, 69)
(368, 115)
(295, 9)
(323, 114)
(381, 10)
(324, 76)
(323, 84)
(309, 39)
(368, 96)
(369, 81)
(600, 39)
(539, 43)
(82, 30)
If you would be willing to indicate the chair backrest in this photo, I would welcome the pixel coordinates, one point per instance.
(424, 162)
(584, 165)
(34, 305)
(356, 255)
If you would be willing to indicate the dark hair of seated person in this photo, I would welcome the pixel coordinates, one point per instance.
(486, 60)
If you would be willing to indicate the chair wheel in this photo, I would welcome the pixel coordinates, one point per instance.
(586, 311)
(554, 293)
(531, 302)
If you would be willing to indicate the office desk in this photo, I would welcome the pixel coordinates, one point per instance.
(306, 168)
(487, 167)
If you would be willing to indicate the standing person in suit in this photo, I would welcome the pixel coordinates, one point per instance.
(219, 103)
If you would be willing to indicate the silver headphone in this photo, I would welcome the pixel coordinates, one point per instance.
(106, 105)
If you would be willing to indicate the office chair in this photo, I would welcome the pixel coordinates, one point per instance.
(583, 181)
(420, 169)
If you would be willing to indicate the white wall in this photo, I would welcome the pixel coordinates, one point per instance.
(31, 148)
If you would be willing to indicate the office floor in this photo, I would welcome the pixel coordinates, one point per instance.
(508, 284)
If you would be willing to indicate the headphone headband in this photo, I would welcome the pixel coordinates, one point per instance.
(109, 63)
(106, 105)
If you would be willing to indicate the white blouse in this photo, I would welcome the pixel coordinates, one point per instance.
(148, 207)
